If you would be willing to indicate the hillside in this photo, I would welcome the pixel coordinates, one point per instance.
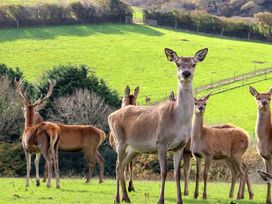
(226, 8)
(133, 55)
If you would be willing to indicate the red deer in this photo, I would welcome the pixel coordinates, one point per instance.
(128, 99)
(264, 132)
(218, 142)
(41, 138)
(161, 128)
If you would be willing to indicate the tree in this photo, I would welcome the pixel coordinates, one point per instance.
(264, 19)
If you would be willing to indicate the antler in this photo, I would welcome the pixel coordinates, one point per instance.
(49, 93)
(19, 91)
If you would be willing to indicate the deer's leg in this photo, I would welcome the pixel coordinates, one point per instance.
(198, 172)
(208, 161)
(238, 165)
(56, 166)
(45, 172)
(177, 159)
(28, 167)
(37, 161)
(130, 184)
(268, 170)
(233, 177)
(101, 162)
(91, 163)
(45, 151)
(129, 157)
(186, 170)
(248, 182)
(162, 153)
(121, 151)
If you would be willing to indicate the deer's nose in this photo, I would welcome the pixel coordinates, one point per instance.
(201, 108)
(186, 74)
(264, 103)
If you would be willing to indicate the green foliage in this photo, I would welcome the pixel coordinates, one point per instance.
(203, 22)
(11, 73)
(71, 77)
(12, 15)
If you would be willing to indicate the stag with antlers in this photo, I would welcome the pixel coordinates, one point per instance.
(40, 138)
(161, 128)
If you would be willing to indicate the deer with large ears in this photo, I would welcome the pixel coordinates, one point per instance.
(161, 128)
(128, 99)
(41, 138)
(264, 131)
(218, 142)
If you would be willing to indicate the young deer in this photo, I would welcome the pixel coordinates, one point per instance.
(264, 131)
(161, 128)
(219, 142)
(40, 138)
(128, 99)
(186, 156)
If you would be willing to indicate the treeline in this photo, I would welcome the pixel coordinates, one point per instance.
(197, 21)
(79, 97)
(56, 14)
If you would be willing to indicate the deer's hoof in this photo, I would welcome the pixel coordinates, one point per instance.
(161, 201)
(268, 201)
(131, 188)
(38, 183)
(195, 195)
(204, 196)
(186, 193)
(251, 196)
(126, 199)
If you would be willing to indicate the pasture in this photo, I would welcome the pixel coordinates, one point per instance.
(76, 191)
(136, 52)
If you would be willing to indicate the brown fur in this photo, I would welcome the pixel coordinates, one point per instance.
(264, 132)
(161, 128)
(219, 142)
(128, 99)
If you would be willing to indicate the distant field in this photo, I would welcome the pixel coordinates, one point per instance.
(129, 54)
(31, 2)
(75, 191)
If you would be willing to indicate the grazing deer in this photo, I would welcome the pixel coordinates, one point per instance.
(41, 138)
(128, 99)
(186, 156)
(218, 142)
(264, 132)
(161, 128)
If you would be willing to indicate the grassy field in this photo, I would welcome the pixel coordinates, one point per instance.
(128, 54)
(75, 191)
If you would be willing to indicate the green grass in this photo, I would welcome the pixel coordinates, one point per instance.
(128, 54)
(236, 106)
(75, 191)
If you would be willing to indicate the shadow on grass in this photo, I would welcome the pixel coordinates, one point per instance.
(52, 32)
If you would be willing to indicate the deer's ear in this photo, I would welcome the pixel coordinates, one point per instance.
(171, 55)
(127, 91)
(208, 96)
(195, 99)
(253, 91)
(171, 96)
(200, 55)
(136, 91)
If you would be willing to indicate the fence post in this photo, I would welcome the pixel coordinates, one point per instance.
(17, 23)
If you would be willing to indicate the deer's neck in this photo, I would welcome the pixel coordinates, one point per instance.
(263, 126)
(29, 119)
(185, 101)
(197, 127)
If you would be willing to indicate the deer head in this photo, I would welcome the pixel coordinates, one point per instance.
(29, 107)
(200, 105)
(186, 65)
(130, 99)
(263, 99)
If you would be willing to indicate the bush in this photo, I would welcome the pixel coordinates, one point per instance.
(56, 14)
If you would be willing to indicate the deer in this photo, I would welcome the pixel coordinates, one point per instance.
(223, 142)
(186, 156)
(264, 131)
(41, 138)
(161, 128)
(128, 99)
